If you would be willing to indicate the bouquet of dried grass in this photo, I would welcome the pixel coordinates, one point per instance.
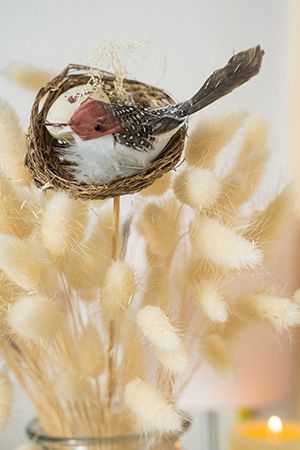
(107, 310)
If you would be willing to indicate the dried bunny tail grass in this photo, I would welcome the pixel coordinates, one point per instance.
(282, 313)
(6, 399)
(197, 187)
(118, 289)
(209, 137)
(19, 260)
(90, 352)
(214, 351)
(156, 327)
(247, 171)
(35, 318)
(176, 361)
(159, 187)
(70, 386)
(211, 301)
(86, 264)
(152, 410)
(63, 223)
(218, 243)
(267, 225)
(27, 76)
(15, 216)
(159, 224)
(12, 146)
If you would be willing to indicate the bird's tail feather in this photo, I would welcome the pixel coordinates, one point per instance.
(239, 69)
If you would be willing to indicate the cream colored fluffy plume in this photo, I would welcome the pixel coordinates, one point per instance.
(19, 260)
(35, 318)
(159, 224)
(268, 225)
(176, 361)
(247, 171)
(210, 299)
(197, 187)
(15, 215)
(152, 410)
(215, 352)
(12, 146)
(282, 313)
(87, 263)
(216, 242)
(209, 137)
(159, 187)
(63, 223)
(90, 353)
(118, 289)
(157, 328)
(27, 76)
(70, 386)
(6, 399)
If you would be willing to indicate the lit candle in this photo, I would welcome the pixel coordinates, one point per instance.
(262, 435)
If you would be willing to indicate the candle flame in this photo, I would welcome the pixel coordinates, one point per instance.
(275, 424)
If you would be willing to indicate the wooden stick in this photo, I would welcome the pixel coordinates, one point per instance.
(111, 330)
(116, 228)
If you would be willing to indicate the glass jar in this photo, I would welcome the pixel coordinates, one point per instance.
(126, 442)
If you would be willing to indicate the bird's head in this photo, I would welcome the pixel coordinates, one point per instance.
(92, 120)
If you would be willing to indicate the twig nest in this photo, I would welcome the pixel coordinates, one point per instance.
(55, 102)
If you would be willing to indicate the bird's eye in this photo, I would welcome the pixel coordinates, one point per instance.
(97, 127)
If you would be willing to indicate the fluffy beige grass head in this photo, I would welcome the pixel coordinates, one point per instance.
(216, 242)
(197, 187)
(209, 137)
(282, 313)
(159, 224)
(15, 216)
(12, 146)
(118, 289)
(210, 299)
(35, 318)
(152, 410)
(27, 76)
(176, 361)
(63, 223)
(156, 327)
(19, 260)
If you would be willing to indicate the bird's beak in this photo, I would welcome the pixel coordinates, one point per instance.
(57, 124)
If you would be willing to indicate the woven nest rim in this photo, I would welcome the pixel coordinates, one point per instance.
(44, 165)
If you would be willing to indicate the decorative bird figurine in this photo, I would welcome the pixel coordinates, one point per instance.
(113, 141)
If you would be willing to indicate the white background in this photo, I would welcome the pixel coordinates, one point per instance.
(185, 41)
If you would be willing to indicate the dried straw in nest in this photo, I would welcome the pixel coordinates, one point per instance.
(43, 163)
